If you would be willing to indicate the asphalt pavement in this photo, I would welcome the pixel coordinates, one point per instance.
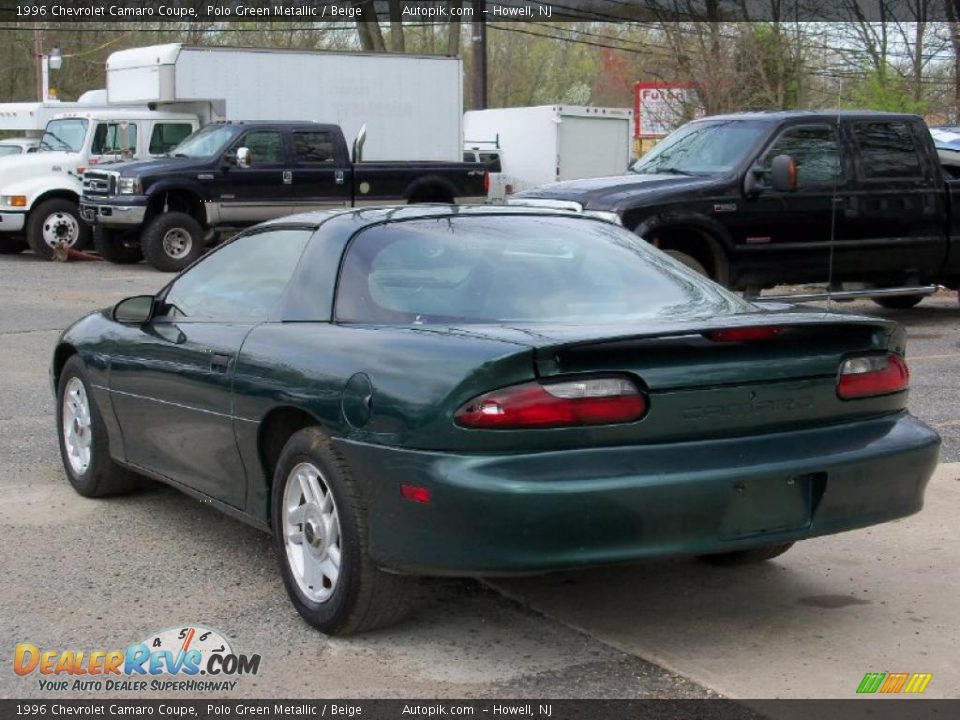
(91, 574)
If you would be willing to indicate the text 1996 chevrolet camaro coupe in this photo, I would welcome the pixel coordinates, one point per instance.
(481, 391)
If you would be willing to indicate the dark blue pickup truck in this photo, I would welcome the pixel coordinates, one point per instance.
(233, 174)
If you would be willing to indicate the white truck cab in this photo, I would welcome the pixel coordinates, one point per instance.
(40, 192)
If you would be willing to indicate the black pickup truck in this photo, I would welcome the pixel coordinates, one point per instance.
(233, 174)
(857, 200)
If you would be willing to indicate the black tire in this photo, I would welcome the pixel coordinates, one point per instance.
(898, 302)
(11, 245)
(169, 231)
(56, 218)
(363, 596)
(117, 246)
(689, 260)
(101, 476)
(747, 557)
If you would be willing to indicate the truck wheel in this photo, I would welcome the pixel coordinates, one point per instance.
(689, 260)
(172, 241)
(117, 246)
(12, 245)
(53, 222)
(898, 302)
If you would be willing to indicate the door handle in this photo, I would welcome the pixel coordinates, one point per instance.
(287, 177)
(220, 363)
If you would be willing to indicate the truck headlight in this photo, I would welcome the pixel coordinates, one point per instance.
(607, 215)
(129, 186)
(13, 200)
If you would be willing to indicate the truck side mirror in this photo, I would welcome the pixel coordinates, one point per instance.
(783, 174)
(244, 158)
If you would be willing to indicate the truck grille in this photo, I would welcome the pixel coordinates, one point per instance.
(99, 183)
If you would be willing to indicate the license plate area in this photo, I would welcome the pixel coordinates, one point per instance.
(759, 506)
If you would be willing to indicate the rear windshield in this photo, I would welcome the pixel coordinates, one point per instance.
(499, 269)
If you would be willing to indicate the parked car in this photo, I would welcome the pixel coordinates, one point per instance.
(18, 146)
(425, 390)
(754, 200)
(236, 174)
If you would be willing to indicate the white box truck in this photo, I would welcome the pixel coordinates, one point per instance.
(550, 143)
(411, 105)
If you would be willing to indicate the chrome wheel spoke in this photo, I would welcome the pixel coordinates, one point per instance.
(295, 516)
(333, 553)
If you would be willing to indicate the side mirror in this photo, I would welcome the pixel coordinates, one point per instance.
(783, 174)
(134, 310)
(244, 158)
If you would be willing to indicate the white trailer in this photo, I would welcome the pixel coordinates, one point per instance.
(410, 104)
(549, 143)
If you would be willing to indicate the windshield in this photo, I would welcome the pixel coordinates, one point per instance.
(67, 135)
(206, 142)
(10, 149)
(497, 269)
(702, 148)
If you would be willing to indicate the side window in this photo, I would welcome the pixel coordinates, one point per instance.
(243, 280)
(313, 147)
(469, 157)
(887, 150)
(114, 139)
(166, 136)
(815, 152)
(265, 146)
(492, 161)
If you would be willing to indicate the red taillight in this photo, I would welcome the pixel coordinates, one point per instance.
(591, 401)
(486, 182)
(415, 493)
(745, 334)
(870, 375)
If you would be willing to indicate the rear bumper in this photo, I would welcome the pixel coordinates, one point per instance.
(502, 514)
(12, 222)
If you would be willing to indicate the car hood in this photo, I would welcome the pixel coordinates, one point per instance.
(20, 167)
(155, 166)
(606, 193)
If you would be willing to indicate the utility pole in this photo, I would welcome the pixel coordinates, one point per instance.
(479, 38)
(38, 54)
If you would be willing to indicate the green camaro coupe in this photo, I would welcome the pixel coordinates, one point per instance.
(433, 390)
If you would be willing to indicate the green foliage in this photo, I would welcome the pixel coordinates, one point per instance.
(886, 92)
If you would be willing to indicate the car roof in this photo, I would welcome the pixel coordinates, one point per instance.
(375, 215)
(778, 115)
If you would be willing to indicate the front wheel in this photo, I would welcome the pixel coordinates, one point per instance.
(321, 537)
(84, 446)
(56, 223)
(898, 302)
(747, 557)
(172, 241)
(117, 246)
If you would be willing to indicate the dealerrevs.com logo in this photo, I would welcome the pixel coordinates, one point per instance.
(189, 658)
